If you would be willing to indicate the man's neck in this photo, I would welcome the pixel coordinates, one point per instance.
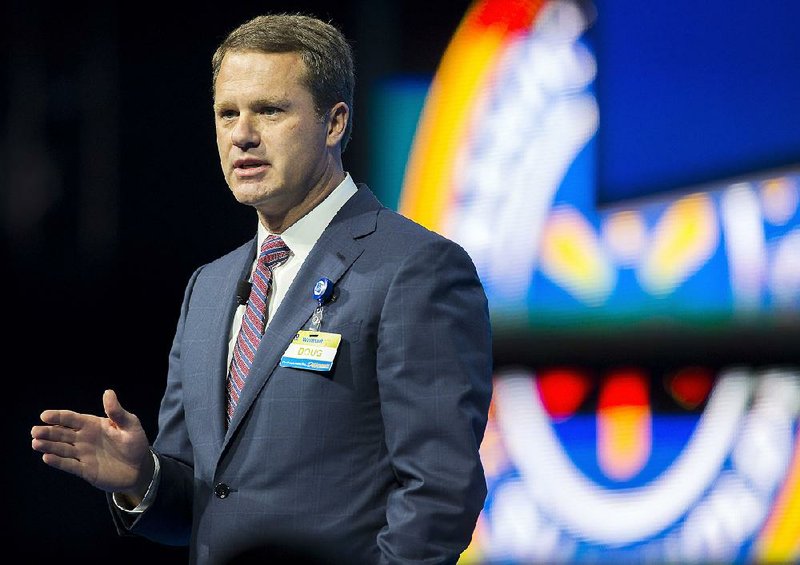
(327, 184)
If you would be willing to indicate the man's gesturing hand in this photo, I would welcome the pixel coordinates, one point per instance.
(110, 453)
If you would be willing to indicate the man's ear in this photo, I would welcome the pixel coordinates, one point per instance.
(338, 116)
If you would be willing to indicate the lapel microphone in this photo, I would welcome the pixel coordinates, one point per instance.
(243, 292)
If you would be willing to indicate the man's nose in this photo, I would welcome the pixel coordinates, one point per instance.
(244, 135)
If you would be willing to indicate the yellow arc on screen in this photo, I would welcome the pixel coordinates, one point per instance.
(467, 64)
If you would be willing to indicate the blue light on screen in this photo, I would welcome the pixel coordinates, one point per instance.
(694, 92)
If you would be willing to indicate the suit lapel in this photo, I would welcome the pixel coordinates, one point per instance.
(338, 247)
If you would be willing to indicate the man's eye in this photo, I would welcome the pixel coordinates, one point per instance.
(269, 110)
(226, 114)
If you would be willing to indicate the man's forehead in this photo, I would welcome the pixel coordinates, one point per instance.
(236, 61)
(258, 70)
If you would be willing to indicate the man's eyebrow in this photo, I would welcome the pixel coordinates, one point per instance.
(270, 101)
(258, 103)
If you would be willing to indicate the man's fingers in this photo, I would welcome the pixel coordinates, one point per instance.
(115, 412)
(66, 418)
(57, 448)
(54, 433)
(67, 464)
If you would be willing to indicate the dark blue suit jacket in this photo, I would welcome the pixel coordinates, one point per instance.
(376, 460)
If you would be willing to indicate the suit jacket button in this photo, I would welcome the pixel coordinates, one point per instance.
(222, 490)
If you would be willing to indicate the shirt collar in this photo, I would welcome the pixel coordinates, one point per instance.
(301, 236)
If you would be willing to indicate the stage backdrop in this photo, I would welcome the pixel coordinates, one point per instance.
(626, 178)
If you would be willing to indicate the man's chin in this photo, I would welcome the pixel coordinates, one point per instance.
(250, 194)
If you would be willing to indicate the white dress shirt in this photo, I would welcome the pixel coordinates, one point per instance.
(300, 238)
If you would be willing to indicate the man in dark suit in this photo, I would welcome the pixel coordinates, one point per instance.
(353, 419)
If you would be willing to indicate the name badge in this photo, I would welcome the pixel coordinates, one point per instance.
(311, 350)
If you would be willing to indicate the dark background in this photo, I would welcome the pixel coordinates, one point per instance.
(111, 195)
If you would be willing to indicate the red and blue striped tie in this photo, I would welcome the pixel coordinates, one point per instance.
(273, 253)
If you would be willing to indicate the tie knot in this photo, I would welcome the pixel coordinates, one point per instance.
(273, 251)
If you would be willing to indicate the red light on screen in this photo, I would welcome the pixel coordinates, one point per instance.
(624, 387)
(516, 15)
(562, 390)
(624, 421)
(690, 386)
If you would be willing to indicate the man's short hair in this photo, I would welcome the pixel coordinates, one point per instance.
(330, 75)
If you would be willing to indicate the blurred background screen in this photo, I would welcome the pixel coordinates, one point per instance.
(625, 177)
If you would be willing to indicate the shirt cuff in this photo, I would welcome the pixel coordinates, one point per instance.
(149, 496)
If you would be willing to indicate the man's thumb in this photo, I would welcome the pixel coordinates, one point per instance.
(115, 411)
